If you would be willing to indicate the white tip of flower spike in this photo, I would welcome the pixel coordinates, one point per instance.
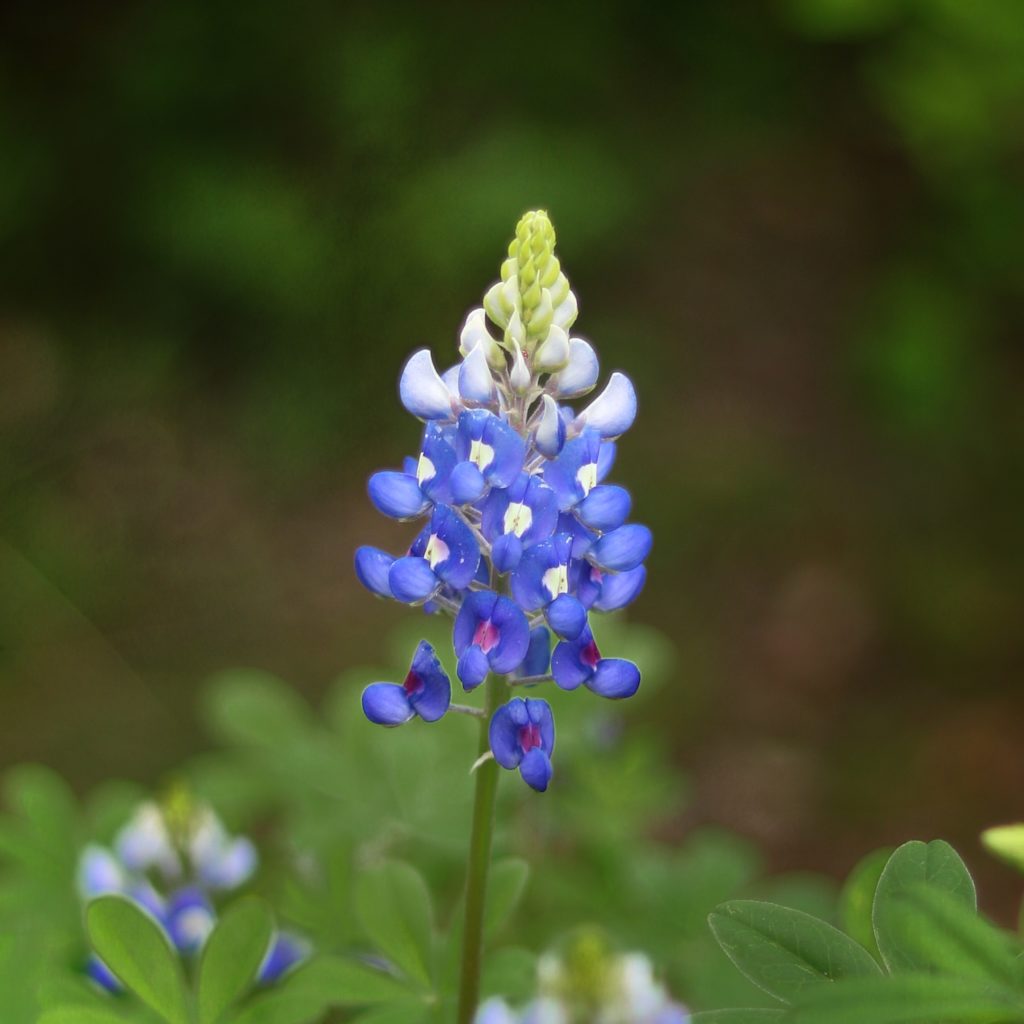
(613, 411)
(422, 390)
(520, 376)
(551, 430)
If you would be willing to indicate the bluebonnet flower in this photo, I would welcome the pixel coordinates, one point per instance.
(172, 860)
(594, 985)
(525, 537)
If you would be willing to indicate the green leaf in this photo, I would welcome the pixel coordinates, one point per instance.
(510, 972)
(79, 1015)
(935, 864)
(858, 897)
(232, 956)
(410, 1012)
(907, 999)
(505, 889)
(784, 951)
(136, 949)
(323, 982)
(937, 931)
(738, 1016)
(393, 903)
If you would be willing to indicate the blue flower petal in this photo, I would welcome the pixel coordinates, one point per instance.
(550, 434)
(613, 411)
(397, 495)
(506, 552)
(621, 588)
(538, 654)
(581, 374)
(475, 381)
(99, 973)
(492, 444)
(432, 697)
(459, 565)
(566, 616)
(495, 1011)
(372, 569)
(622, 549)
(190, 919)
(514, 639)
(536, 770)
(472, 667)
(386, 704)
(231, 865)
(503, 732)
(567, 665)
(539, 713)
(285, 952)
(466, 484)
(421, 389)
(412, 580)
(615, 678)
(99, 873)
(605, 508)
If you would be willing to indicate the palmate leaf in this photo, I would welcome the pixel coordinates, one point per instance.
(232, 956)
(785, 951)
(393, 903)
(135, 948)
(935, 865)
(907, 999)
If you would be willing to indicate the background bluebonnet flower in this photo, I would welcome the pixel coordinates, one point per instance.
(525, 537)
(172, 860)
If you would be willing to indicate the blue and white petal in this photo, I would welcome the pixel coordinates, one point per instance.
(613, 411)
(475, 381)
(422, 390)
(99, 873)
(550, 434)
(581, 373)
(286, 952)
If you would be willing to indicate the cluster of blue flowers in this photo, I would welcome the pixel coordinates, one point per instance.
(172, 861)
(523, 537)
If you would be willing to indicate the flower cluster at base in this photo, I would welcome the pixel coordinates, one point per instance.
(523, 537)
(171, 859)
(590, 983)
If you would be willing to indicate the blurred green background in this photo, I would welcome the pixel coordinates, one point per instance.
(796, 224)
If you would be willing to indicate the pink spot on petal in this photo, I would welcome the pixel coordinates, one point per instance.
(413, 683)
(486, 635)
(590, 655)
(529, 737)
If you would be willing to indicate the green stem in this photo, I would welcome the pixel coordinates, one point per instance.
(479, 865)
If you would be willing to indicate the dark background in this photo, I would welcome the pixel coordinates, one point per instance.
(797, 225)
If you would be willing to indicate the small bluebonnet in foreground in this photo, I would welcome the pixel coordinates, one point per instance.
(589, 982)
(172, 860)
(523, 538)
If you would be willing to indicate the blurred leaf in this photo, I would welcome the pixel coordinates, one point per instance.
(907, 999)
(935, 931)
(254, 708)
(80, 1015)
(393, 903)
(759, 1016)
(511, 973)
(1007, 843)
(783, 951)
(505, 889)
(914, 864)
(232, 955)
(858, 897)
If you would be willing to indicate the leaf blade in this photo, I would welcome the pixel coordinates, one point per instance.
(232, 956)
(138, 951)
(784, 951)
